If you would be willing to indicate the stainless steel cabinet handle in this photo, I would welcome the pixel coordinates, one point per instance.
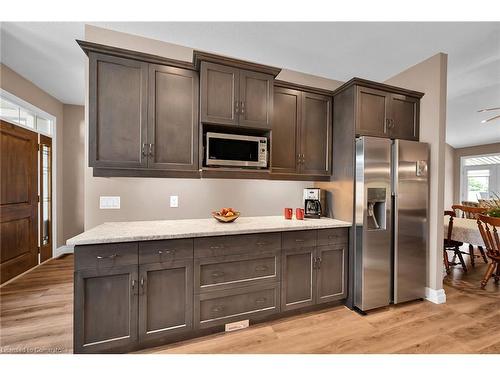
(318, 262)
(260, 300)
(112, 256)
(387, 125)
(261, 243)
(151, 149)
(393, 124)
(236, 107)
(298, 240)
(144, 153)
(218, 274)
(142, 284)
(161, 252)
(133, 284)
(214, 247)
(261, 268)
(242, 107)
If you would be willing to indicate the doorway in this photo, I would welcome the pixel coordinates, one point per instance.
(25, 199)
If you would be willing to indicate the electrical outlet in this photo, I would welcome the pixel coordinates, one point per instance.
(174, 201)
(109, 203)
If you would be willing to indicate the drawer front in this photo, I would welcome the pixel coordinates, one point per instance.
(237, 244)
(299, 239)
(165, 250)
(237, 304)
(106, 255)
(332, 236)
(239, 270)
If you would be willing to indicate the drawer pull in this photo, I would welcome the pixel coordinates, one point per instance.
(261, 243)
(217, 274)
(260, 300)
(299, 240)
(217, 309)
(215, 247)
(166, 252)
(261, 268)
(331, 236)
(112, 256)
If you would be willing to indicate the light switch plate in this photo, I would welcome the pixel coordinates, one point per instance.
(234, 326)
(174, 201)
(109, 203)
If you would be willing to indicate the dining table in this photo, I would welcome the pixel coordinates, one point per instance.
(464, 230)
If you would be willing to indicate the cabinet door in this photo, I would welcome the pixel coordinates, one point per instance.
(105, 312)
(256, 99)
(166, 299)
(117, 111)
(219, 94)
(297, 280)
(372, 112)
(330, 273)
(405, 117)
(315, 134)
(173, 118)
(285, 125)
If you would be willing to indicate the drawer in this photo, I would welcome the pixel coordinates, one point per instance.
(332, 236)
(218, 308)
(236, 244)
(236, 270)
(299, 239)
(165, 250)
(105, 255)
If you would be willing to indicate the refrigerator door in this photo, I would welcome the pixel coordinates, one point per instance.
(410, 190)
(373, 223)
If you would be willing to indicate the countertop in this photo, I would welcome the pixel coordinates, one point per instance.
(168, 229)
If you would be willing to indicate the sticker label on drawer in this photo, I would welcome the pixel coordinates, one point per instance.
(237, 325)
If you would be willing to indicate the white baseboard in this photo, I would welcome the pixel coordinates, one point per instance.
(435, 295)
(65, 249)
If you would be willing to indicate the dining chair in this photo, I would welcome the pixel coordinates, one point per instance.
(470, 212)
(452, 245)
(489, 227)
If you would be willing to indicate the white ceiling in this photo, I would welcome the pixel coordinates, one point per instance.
(46, 54)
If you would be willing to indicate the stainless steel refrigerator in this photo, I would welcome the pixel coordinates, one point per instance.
(391, 225)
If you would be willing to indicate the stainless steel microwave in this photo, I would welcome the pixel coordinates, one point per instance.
(234, 150)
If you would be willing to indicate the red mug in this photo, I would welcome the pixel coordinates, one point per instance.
(288, 213)
(299, 213)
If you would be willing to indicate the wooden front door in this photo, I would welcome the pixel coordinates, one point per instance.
(45, 160)
(18, 200)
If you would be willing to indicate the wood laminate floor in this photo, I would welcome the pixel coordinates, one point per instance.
(36, 317)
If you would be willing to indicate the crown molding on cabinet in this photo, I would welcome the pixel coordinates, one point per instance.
(379, 86)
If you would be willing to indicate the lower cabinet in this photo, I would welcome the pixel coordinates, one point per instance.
(312, 276)
(165, 299)
(133, 295)
(105, 312)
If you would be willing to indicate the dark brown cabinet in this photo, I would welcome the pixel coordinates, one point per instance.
(105, 317)
(173, 118)
(302, 131)
(232, 96)
(166, 299)
(379, 110)
(313, 268)
(117, 111)
(143, 117)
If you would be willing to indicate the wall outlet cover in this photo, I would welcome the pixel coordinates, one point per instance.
(174, 201)
(234, 326)
(109, 203)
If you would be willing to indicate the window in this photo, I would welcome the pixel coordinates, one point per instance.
(480, 177)
(15, 110)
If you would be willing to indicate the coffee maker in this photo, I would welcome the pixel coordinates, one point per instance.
(312, 203)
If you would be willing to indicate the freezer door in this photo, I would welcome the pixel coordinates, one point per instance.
(373, 223)
(411, 191)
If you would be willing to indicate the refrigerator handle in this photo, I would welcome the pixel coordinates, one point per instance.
(395, 214)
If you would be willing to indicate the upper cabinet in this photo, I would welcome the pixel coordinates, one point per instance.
(383, 110)
(143, 117)
(173, 118)
(117, 112)
(301, 133)
(233, 96)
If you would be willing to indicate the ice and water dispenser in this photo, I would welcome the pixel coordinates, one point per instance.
(376, 209)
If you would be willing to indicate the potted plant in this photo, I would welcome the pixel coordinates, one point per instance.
(493, 206)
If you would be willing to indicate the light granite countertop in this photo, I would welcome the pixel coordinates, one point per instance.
(168, 229)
